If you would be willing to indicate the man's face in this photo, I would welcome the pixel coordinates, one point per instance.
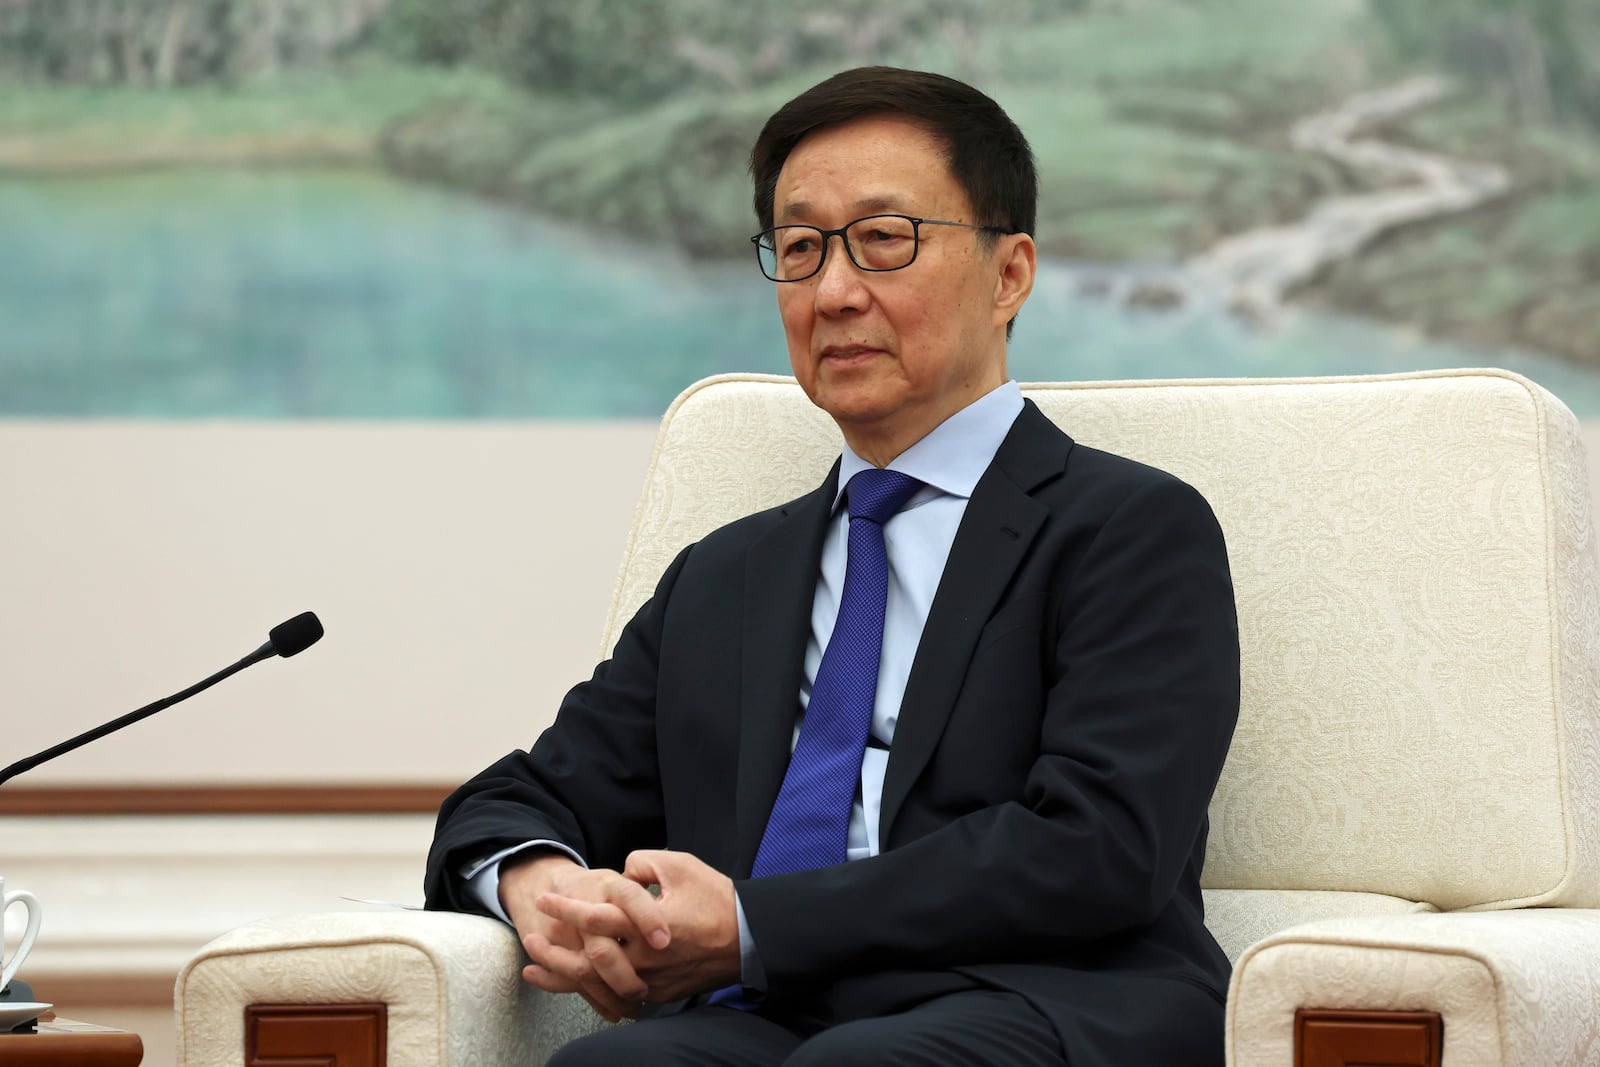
(891, 355)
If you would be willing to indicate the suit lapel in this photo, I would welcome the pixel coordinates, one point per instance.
(1000, 523)
(780, 581)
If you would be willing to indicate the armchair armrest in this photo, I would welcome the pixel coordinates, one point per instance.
(1513, 988)
(445, 989)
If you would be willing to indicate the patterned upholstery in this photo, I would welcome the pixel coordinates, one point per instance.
(452, 985)
(1418, 610)
(1515, 988)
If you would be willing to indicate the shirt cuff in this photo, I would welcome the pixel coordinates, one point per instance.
(751, 974)
(483, 876)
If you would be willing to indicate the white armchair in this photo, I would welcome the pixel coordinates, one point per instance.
(1407, 831)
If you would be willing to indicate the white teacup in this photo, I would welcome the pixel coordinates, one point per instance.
(8, 967)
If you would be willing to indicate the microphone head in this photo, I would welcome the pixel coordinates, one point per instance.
(295, 636)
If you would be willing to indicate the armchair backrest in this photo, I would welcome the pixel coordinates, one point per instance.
(1419, 615)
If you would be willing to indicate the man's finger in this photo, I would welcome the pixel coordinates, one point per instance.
(600, 960)
(570, 964)
(589, 919)
(535, 940)
(613, 967)
(642, 909)
(600, 997)
(548, 980)
(642, 866)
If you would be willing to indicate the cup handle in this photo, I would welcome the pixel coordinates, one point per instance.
(29, 934)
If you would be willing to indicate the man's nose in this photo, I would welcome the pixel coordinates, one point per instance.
(840, 284)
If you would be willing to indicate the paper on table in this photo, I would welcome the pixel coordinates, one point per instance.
(384, 903)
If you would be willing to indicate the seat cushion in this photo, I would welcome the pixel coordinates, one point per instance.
(1238, 918)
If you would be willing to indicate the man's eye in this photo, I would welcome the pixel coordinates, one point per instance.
(799, 246)
(884, 237)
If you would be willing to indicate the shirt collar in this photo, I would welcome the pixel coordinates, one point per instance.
(954, 454)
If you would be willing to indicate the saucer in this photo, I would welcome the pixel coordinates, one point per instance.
(12, 1015)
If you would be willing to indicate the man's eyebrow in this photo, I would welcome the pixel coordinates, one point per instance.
(873, 204)
(867, 205)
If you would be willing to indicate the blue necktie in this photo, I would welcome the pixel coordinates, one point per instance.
(810, 823)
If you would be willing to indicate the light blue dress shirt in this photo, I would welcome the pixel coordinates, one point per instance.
(949, 461)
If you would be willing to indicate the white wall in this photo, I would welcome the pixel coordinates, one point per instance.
(462, 571)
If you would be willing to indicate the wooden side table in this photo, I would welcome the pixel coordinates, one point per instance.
(67, 1043)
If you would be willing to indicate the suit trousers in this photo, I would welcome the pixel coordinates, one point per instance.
(973, 1028)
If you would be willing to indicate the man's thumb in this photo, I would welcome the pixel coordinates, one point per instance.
(642, 867)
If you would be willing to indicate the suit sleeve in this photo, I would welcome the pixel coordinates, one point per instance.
(1140, 703)
(590, 782)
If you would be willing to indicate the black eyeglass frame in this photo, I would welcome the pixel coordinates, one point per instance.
(916, 242)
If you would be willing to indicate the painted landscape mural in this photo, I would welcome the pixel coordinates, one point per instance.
(533, 208)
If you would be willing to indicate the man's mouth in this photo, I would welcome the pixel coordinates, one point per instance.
(849, 353)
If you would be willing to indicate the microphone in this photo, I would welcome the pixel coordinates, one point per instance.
(285, 639)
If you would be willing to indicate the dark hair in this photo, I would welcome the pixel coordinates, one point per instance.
(987, 154)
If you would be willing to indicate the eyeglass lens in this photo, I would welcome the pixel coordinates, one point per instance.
(878, 242)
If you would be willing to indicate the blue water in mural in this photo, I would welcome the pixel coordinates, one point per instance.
(338, 294)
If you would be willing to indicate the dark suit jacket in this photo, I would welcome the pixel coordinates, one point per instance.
(1043, 821)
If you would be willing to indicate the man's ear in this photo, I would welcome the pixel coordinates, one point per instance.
(1017, 260)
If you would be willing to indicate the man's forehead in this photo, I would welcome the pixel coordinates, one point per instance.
(867, 204)
(883, 163)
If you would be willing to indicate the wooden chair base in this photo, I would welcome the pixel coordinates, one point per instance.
(334, 1035)
(354, 1035)
(1326, 1038)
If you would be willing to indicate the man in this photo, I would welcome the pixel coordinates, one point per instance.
(1007, 871)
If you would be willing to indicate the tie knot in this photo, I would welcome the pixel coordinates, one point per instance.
(876, 494)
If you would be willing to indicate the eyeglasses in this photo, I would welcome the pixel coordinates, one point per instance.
(876, 243)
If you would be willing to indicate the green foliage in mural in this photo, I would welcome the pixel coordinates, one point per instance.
(174, 42)
(632, 51)
(1544, 53)
(638, 51)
